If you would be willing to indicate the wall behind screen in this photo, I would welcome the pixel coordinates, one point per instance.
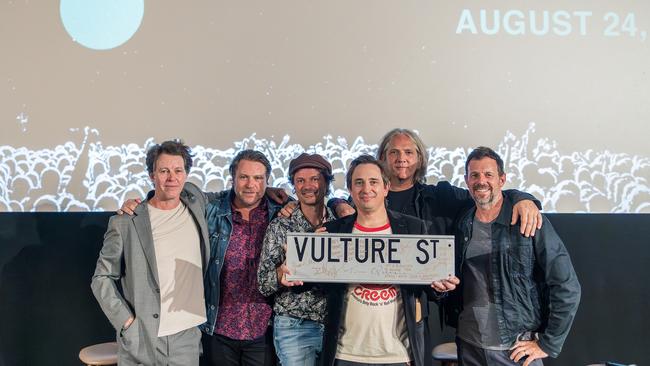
(561, 88)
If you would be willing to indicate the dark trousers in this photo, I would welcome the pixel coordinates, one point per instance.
(471, 355)
(338, 362)
(223, 351)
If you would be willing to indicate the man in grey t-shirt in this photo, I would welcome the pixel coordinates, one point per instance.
(477, 323)
(519, 295)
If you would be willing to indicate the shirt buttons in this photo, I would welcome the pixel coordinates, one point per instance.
(155, 316)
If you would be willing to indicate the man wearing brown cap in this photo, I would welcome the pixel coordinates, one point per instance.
(299, 312)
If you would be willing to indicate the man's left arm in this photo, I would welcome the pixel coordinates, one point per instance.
(527, 210)
(108, 272)
(526, 207)
(560, 278)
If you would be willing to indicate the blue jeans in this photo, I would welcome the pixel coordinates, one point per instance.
(298, 342)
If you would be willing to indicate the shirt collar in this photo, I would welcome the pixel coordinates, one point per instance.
(259, 213)
(298, 217)
(505, 215)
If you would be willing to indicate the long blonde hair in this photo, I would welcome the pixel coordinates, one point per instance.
(421, 171)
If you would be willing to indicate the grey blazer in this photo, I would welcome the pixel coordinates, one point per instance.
(128, 257)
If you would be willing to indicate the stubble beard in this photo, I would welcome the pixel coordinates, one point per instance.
(487, 202)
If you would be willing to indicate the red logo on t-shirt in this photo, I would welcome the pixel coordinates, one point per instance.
(372, 294)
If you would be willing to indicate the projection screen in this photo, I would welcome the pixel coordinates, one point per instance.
(559, 88)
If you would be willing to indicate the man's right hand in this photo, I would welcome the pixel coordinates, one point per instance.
(129, 206)
(446, 285)
(128, 323)
(288, 209)
(283, 271)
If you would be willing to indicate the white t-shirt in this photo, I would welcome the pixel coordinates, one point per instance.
(178, 257)
(374, 324)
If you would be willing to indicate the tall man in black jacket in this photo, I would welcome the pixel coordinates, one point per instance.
(405, 158)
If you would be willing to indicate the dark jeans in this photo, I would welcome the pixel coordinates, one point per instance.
(471, 355)
(223, 351)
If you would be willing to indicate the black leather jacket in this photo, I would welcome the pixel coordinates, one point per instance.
(439, 205)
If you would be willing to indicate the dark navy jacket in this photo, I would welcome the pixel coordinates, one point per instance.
(535, 286)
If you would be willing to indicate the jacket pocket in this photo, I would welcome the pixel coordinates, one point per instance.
(128, 338)
(283, 321)
(520, 259)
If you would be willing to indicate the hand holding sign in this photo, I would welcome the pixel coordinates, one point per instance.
(445, 285)
(283, 271)
(372, 258)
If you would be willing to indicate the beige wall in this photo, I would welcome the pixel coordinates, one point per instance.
(215, 72)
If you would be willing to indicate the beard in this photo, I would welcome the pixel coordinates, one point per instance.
(484, 201)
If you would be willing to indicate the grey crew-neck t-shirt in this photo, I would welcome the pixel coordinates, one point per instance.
(477, 323)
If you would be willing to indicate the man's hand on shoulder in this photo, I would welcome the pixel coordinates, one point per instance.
(340, 207)
(277, 194)
(129, 206)
(529, 216)
(288, 209)
(344, 209)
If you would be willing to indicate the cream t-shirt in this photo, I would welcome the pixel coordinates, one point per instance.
(374, 324)
(178, 257)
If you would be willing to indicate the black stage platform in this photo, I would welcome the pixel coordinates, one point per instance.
(48, 313)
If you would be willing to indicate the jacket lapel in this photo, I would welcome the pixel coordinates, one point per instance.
(397, 224)
(199, 218)
(143, 228)
(348, 223)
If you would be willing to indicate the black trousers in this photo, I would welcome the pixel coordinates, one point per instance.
(338, 362)
(223, 351)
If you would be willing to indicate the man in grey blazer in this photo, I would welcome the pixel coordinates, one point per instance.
(149, 275)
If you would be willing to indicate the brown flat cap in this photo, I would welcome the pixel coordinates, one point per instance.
(305, 160)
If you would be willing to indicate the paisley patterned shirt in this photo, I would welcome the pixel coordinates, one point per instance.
(305, 302)
(244, 313)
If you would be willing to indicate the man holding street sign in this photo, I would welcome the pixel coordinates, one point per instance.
(299, 312)
(380, 323)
